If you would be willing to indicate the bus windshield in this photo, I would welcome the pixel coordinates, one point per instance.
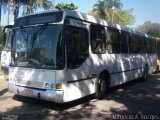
(38, 47)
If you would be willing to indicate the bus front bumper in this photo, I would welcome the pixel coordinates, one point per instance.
(49, 95)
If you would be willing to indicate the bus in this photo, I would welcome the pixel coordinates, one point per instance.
(6, 51)
(62, 56)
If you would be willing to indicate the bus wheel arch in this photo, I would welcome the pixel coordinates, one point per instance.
(103, 83)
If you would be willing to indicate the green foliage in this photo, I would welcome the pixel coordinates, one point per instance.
(62, 6)
(124, 17)
(29, 6)
(150, 28)
(111, 10)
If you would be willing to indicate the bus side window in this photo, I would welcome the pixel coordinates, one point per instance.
(124, 42)
(113, 41)
(77, 46)
(98, 39)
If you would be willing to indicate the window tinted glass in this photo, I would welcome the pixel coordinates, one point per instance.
(77, 46)
(113, 41)
(39, 47)
(134, 46)
(98, 40)
(43, 18)
(142, 44)
(124, 41)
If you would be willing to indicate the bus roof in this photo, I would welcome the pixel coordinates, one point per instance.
(91, 19)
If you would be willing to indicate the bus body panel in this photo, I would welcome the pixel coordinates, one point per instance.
(80, 81)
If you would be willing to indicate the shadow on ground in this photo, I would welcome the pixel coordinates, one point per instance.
(2, 92)
(142, 97)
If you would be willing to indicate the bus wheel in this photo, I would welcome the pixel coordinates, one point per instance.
(145, 73)
(101, 87)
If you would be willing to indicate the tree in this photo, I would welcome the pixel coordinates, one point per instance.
(124, 17)
(99, 10)
(11, 6)
(111, 10)
(62, 6)
(105, 7)
(150, 28)
(29, 6)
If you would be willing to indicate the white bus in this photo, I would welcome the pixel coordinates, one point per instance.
(65, 55)
(6, 51)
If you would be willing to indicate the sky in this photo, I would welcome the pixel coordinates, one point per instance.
(143, 10)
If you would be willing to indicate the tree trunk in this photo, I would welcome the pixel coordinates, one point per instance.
(8, 12)
(16, 6)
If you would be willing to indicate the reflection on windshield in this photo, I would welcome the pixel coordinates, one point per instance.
(38, 47)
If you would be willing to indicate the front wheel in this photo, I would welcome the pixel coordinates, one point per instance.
(101, 87)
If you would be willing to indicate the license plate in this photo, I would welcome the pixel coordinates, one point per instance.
(27, 92)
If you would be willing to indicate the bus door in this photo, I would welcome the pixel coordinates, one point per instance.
(79, 79)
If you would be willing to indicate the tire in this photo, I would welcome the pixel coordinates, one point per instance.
(101, 87)
(145, 73)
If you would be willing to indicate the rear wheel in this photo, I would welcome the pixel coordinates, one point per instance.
(101, 87)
